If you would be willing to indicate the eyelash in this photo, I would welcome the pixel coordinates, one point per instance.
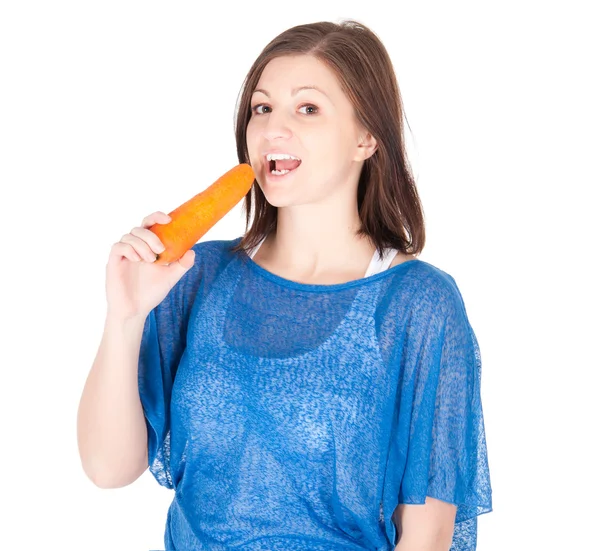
(254, 107)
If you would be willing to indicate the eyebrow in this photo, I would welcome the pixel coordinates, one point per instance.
(295, 90)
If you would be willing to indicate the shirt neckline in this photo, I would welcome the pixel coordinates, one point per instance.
(322, 287)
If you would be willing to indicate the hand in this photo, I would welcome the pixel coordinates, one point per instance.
(134, 283)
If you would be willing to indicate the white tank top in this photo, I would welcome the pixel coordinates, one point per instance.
(376, 266)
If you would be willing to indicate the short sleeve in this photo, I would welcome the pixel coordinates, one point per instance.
(443, 441)
(163, 342)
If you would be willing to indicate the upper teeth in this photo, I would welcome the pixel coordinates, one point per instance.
(280, 157)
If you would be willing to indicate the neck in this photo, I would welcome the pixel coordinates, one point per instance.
(316, 243)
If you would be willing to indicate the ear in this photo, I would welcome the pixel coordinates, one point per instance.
(366, 147)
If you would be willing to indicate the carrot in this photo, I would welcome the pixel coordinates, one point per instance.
(191, 220)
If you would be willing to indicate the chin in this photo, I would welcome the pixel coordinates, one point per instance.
(275, 193)
(276, 200)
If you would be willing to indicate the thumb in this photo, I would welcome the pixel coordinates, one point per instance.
(179, 267)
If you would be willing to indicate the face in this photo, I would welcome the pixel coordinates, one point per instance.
(316, 126)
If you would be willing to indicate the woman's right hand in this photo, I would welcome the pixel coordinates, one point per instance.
(134, 283)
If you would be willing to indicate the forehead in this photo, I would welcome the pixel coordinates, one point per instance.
(282, 74)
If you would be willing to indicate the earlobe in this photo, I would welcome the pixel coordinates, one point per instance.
(366, 147)
(371, 151)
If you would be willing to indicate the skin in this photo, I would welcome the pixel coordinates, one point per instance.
(318, 213)
(427, 527)
(317, 203)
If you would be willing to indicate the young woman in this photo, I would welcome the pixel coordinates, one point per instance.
(311, 385)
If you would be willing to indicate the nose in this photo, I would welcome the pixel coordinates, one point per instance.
(276, 126)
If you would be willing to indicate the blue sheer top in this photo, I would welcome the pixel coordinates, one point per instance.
(296, 417)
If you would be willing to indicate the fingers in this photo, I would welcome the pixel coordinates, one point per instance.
(140, 247)
(157, 217)
(141, 243)
(150, 239)
(120, 249)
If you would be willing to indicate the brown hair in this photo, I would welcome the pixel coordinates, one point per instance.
(388, 203)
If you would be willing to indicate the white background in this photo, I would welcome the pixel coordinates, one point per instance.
(112, 110)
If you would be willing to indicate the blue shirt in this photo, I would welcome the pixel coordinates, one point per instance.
(296, 417)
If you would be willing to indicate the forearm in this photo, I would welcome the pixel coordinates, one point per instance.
(111, 428)
(426, 527)
(426, 547)
(441, 544)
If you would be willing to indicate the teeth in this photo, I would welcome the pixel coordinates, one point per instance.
(279, 172)
(280, 157)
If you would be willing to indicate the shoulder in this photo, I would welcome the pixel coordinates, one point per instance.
(211, 258)
(431, 281)
(213, 254)
(429, 289)
(215, 249)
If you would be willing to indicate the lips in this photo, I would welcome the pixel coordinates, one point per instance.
(278, 153)
(278, 176)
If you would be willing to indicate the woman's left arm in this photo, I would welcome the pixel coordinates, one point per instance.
(439, 445)
(427, 527)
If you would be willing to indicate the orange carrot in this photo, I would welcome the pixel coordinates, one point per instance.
(191, 220)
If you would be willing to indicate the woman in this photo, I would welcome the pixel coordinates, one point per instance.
(311, 384)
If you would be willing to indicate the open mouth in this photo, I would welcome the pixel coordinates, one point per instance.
(281, 164)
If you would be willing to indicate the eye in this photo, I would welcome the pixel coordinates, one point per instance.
(309, 106)
(258, 106)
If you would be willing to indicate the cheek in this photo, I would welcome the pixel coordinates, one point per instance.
(249, 131)
(332, 138)
(251, 139)
(331, 149)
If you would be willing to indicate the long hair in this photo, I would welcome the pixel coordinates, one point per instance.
(389, 207)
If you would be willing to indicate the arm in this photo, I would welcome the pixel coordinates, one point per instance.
(427, 527)
(111, 429)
